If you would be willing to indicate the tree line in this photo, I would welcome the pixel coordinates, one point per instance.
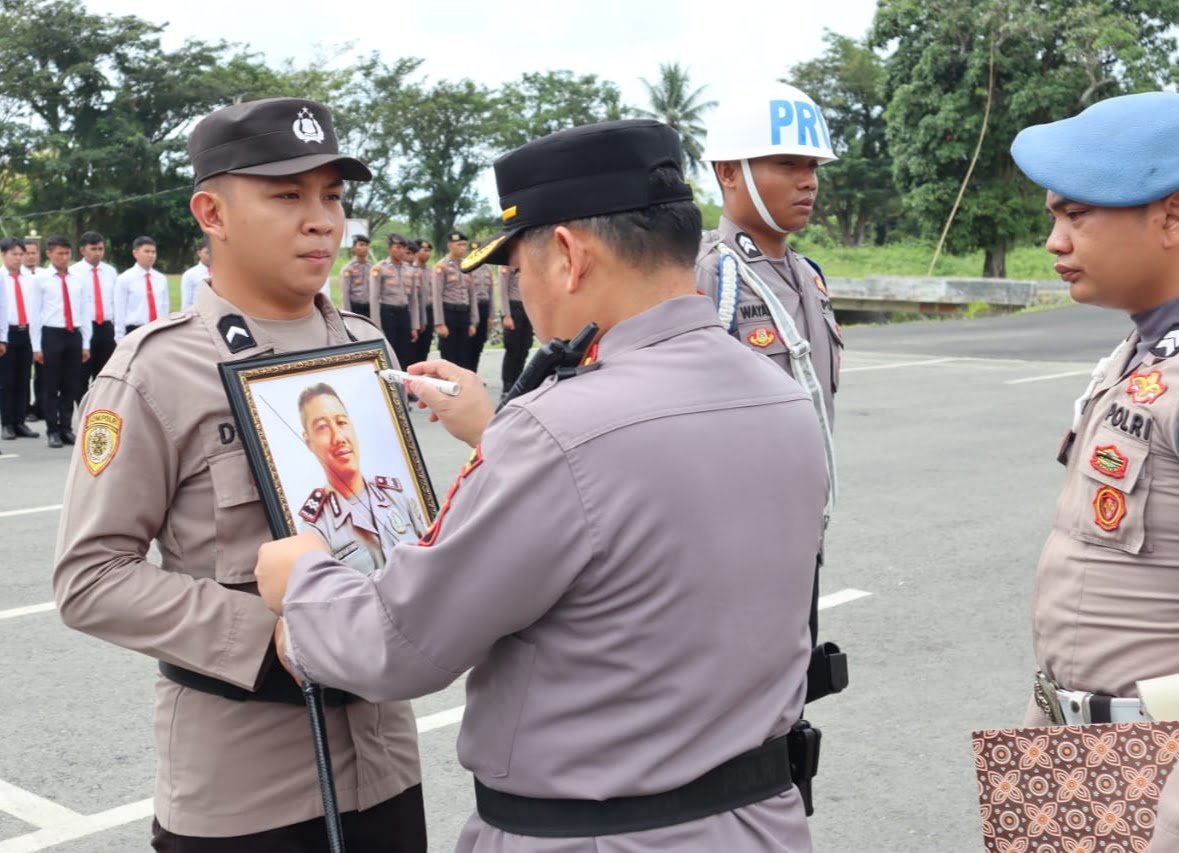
(94, 114)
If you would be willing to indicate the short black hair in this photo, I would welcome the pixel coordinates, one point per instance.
(142, 241)
(319, 389)
(648, 238)
(90, 238)
(361, 238)
(10, 243)
(58, 240)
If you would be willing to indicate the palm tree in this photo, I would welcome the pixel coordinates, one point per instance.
(673, 102)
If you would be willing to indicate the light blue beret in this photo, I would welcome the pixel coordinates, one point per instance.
(1120, 152)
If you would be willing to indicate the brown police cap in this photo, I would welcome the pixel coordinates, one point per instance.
(273, 137)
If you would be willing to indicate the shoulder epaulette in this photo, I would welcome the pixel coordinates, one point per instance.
(388, 484)
(313, 507)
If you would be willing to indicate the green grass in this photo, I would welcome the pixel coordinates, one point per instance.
(912, 259)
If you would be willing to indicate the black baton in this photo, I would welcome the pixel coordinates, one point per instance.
(313, 694)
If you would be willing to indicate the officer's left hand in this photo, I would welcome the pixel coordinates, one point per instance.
(3, 349)
(471, 331)
(85, 355)
(276, 560)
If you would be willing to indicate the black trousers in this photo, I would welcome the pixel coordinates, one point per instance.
(396, 325)
(454, 347)
(517, 342)
(359, 308)
(63, 376)
(394, 826)
(475, 344)
(425, 336)
(102, 345)
(16, 370)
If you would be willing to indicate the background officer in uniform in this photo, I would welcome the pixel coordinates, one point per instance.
(517, 327)
(159, 459)
(359, 518)
(483, 283)
(393, 293)
(425, 300)
(1106, 609)
(606, 580)
(454, 302)
(354, 280)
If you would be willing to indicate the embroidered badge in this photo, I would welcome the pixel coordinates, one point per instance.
(745, 244)
(1146, 387)
(431, 534)
(761, 337)
(313, 506)
(100, 439)
(306, 128)
(1109, 508)
(819, 283)
(1168, 345)
(1108, 460)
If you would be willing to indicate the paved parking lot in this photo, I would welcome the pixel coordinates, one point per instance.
(946, 438)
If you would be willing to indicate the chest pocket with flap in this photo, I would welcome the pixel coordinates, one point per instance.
(241, 526)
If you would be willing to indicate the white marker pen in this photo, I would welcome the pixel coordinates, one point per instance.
(401, 377)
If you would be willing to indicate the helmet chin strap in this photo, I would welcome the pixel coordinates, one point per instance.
(757, 202)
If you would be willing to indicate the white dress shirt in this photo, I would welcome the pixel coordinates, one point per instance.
(106, 285)
(190, 282)
(131, 307)
(49, 307)
(4, 314)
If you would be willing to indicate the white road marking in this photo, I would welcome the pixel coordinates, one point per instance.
(893, 364)
(57, 824)
(843, 596)
(440, 720)
(44, 607)
(78, 826)
(4, 456)
(33, 509)
(32, 809)
(1045, 378)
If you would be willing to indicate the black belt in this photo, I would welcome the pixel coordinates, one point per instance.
(277, 686)
(749, 778)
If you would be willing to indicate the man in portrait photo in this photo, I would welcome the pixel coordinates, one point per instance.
(359, 518)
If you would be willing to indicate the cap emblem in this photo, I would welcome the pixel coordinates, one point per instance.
(306, 128)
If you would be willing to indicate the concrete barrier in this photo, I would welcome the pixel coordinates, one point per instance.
(940, 295)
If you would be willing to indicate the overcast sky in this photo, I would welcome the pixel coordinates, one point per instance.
(722, 43)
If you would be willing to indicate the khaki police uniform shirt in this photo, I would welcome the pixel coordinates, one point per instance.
(1106, 601)
(354, 284)
(803, 294)
(422, 281)
(159, 459)
(391, 285)
(483, 282)
(628, 631)
(452, 286)
(361, 530)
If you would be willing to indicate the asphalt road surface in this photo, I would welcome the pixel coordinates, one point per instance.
(946, 438)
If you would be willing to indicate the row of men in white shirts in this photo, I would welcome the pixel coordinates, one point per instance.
(68, 318)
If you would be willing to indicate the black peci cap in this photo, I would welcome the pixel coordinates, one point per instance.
(585, 171)
(456, 237)
(395, 239)
(361, 238)
(274, 137)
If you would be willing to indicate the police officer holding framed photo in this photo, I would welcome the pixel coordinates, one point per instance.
(638, 665)
(160, 460)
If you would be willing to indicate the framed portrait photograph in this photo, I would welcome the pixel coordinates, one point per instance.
(332, 449)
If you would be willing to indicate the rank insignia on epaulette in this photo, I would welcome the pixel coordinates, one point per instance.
(388, 483)
(313, 506)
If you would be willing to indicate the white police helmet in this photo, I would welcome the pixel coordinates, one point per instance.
(775, 119)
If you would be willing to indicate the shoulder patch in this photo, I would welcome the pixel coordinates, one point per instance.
(235, 333)
(100, 439)
(313, 507)
(389, 484)
(746, 244)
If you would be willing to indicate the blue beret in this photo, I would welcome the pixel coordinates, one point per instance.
(1121, 152)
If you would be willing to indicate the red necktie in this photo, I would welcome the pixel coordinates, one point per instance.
(22, 319)
(151, 298)
(65, 304)
(98, 315)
